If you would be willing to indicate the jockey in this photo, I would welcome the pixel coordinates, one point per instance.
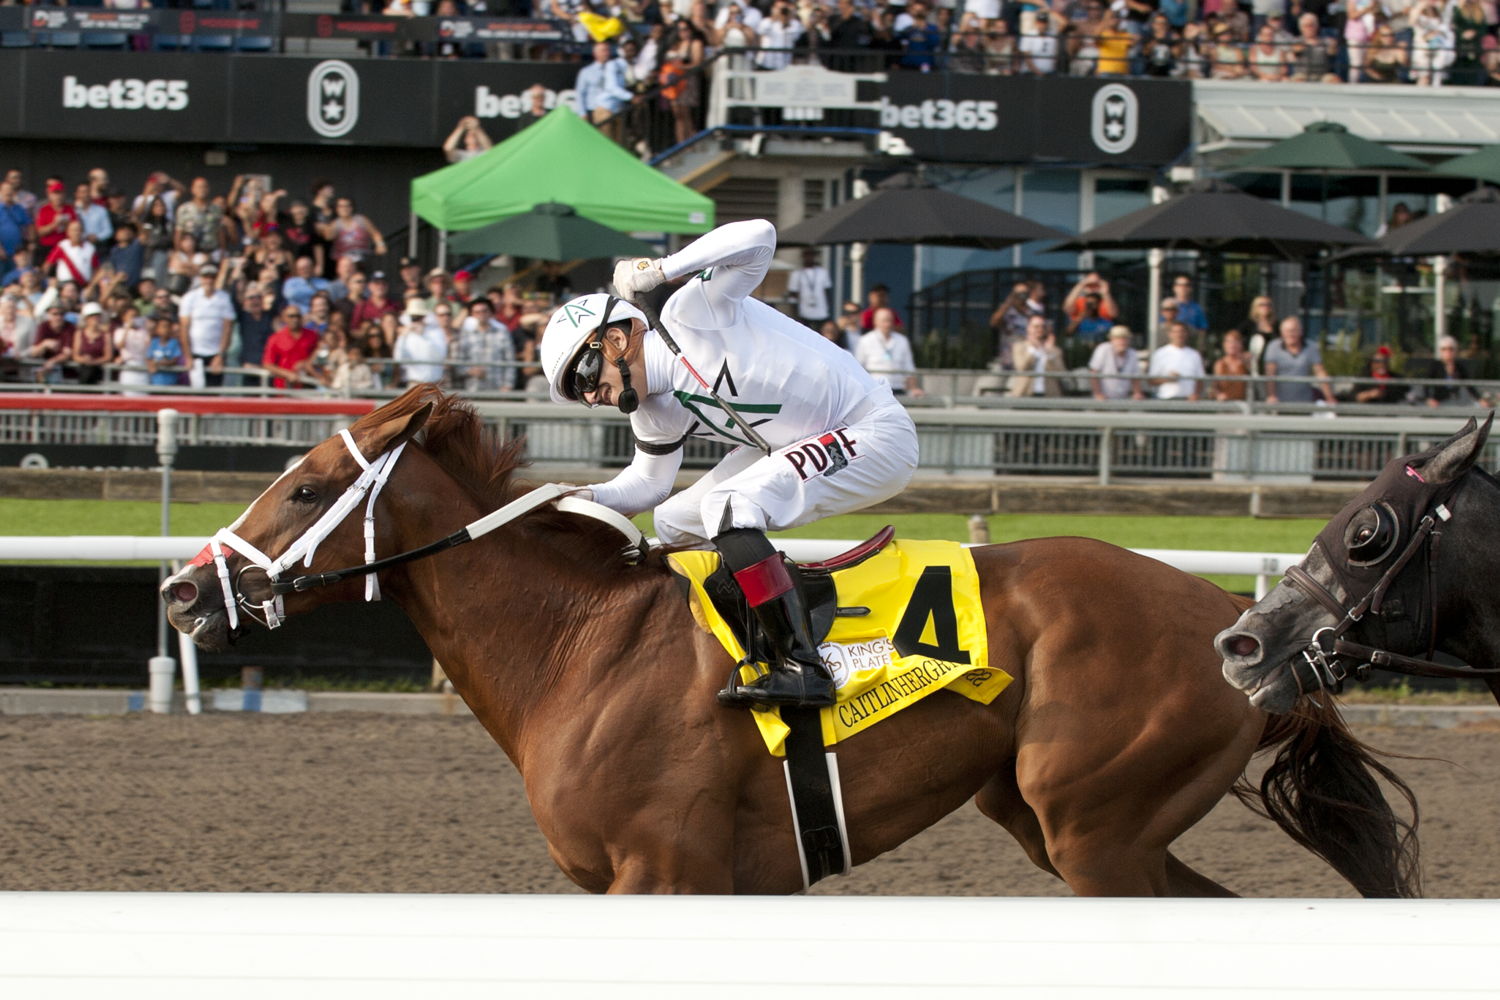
(839, 440)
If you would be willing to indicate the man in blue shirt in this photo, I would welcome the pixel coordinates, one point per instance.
(921, 40)
(127, 255)
(302, 285)
(1188, 311)
(97, 228)
(603, 94)
(15, 223)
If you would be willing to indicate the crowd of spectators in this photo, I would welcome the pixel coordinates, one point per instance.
(179, 284)
(1238, 364)
(647, 64)
(1247, 360)
(1426, 42)
(183, 285)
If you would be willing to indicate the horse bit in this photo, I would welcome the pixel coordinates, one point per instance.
(370, 482)
(1328, 652)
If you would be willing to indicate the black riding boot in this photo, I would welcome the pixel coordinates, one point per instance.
(798, 678)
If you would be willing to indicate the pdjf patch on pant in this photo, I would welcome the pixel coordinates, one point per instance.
(910, 622)
(822, 454)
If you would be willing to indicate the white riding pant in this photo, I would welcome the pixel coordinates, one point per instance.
(837, 471)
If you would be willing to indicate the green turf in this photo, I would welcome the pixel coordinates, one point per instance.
(111, 517)
(1245, 534)
(1239, 534)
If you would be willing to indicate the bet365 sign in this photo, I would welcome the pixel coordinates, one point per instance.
(1023, 119)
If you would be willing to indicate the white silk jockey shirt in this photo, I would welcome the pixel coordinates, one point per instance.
(781, 377)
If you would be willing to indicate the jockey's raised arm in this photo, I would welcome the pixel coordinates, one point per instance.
(733, 260)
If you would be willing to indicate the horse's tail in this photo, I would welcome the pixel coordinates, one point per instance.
(1321, 789)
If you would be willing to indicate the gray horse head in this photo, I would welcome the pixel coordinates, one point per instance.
(1375, 558)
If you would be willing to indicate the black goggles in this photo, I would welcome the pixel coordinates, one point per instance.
(585, 372)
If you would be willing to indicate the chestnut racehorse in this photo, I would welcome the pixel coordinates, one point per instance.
(1117, 734)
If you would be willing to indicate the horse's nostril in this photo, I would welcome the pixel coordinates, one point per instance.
(1243, 645)
(184, 592)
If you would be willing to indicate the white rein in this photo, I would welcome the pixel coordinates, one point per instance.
(370, 482)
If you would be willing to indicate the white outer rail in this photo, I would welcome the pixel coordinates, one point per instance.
(188, 945)
(124, 548)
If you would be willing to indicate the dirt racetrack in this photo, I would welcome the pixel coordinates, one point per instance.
(365, 803)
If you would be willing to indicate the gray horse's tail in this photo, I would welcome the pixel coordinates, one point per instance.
(1321, 789)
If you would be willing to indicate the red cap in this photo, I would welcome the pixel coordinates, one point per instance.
(461, 276)
(54, 185)
(1382, 351)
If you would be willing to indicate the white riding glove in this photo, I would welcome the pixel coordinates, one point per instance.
(634, 278)
(581, 492)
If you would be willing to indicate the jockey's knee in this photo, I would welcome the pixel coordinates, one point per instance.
(679, 523)
(725, 509)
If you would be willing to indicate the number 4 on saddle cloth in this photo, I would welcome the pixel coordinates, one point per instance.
(892, 626)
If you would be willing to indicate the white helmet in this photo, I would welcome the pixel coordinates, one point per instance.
(569, 329)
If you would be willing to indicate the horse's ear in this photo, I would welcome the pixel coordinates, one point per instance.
(1457, 455)
(382, 437)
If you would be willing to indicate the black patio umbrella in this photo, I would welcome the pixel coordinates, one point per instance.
(550, 231)
(905, 210)
(1472, 225)
(1214, 216)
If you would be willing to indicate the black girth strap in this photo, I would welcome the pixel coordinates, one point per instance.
(817, 813)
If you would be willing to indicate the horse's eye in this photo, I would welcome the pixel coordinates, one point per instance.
(304, 494)
(1372, 535)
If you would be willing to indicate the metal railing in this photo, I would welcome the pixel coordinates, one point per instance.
(261, 26)
(1085, 439)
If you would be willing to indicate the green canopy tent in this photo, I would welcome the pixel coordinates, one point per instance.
(560, 158)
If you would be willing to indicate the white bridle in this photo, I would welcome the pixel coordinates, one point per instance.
(369, 484)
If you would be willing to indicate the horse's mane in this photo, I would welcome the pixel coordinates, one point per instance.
(458, 440)
(476, 457)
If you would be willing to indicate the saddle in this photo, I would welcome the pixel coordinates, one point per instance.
(814, 581)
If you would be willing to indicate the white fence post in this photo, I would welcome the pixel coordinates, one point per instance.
(163, 668)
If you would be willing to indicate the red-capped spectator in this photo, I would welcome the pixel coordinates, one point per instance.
(52, 217)
(463, 287)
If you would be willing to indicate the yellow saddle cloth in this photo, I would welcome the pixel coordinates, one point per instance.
(925, 632)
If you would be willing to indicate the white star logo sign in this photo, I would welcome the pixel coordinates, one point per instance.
(1115, 118)
(332, 98)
